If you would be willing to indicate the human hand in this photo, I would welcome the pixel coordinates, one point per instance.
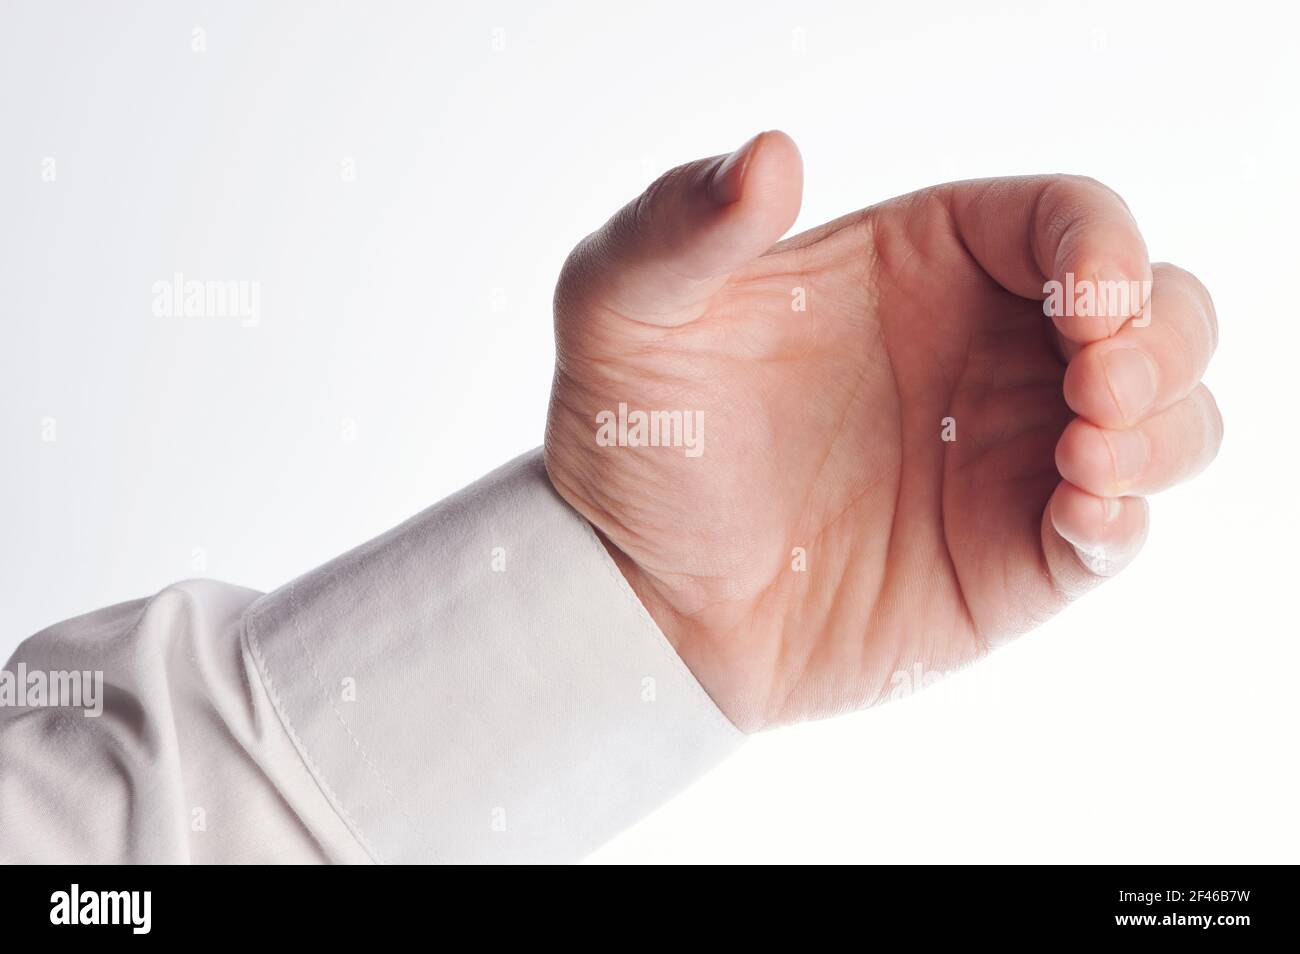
(827, 531)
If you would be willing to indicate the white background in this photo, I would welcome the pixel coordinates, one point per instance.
(1155, 721)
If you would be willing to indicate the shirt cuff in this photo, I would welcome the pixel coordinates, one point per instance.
(481, 684)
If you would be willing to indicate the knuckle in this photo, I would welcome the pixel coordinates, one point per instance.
(1069, 202)
(643, 208)
(1089, 187)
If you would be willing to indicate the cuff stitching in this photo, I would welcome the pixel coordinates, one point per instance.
(255, 648)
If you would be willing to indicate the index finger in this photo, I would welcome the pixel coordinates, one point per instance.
(1068, 241)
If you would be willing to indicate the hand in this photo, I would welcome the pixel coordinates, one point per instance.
(829, 531)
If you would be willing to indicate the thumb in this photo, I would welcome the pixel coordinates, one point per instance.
(664, 254)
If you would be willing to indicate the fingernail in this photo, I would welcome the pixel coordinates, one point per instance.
(1097, 559)
(1131, 377)
(1111, 508)
(1130, 452)
(728, 180)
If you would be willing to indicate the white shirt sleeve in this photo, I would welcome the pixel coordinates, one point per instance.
(479, 684)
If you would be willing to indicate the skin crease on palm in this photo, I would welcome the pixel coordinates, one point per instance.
(824, 427)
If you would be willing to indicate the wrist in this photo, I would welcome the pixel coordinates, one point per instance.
(710, 639)
(701, 648)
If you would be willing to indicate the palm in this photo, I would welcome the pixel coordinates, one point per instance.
(820, 543)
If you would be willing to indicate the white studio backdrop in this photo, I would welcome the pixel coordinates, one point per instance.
(402, 181)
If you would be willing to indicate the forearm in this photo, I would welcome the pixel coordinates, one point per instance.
(478, 684)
